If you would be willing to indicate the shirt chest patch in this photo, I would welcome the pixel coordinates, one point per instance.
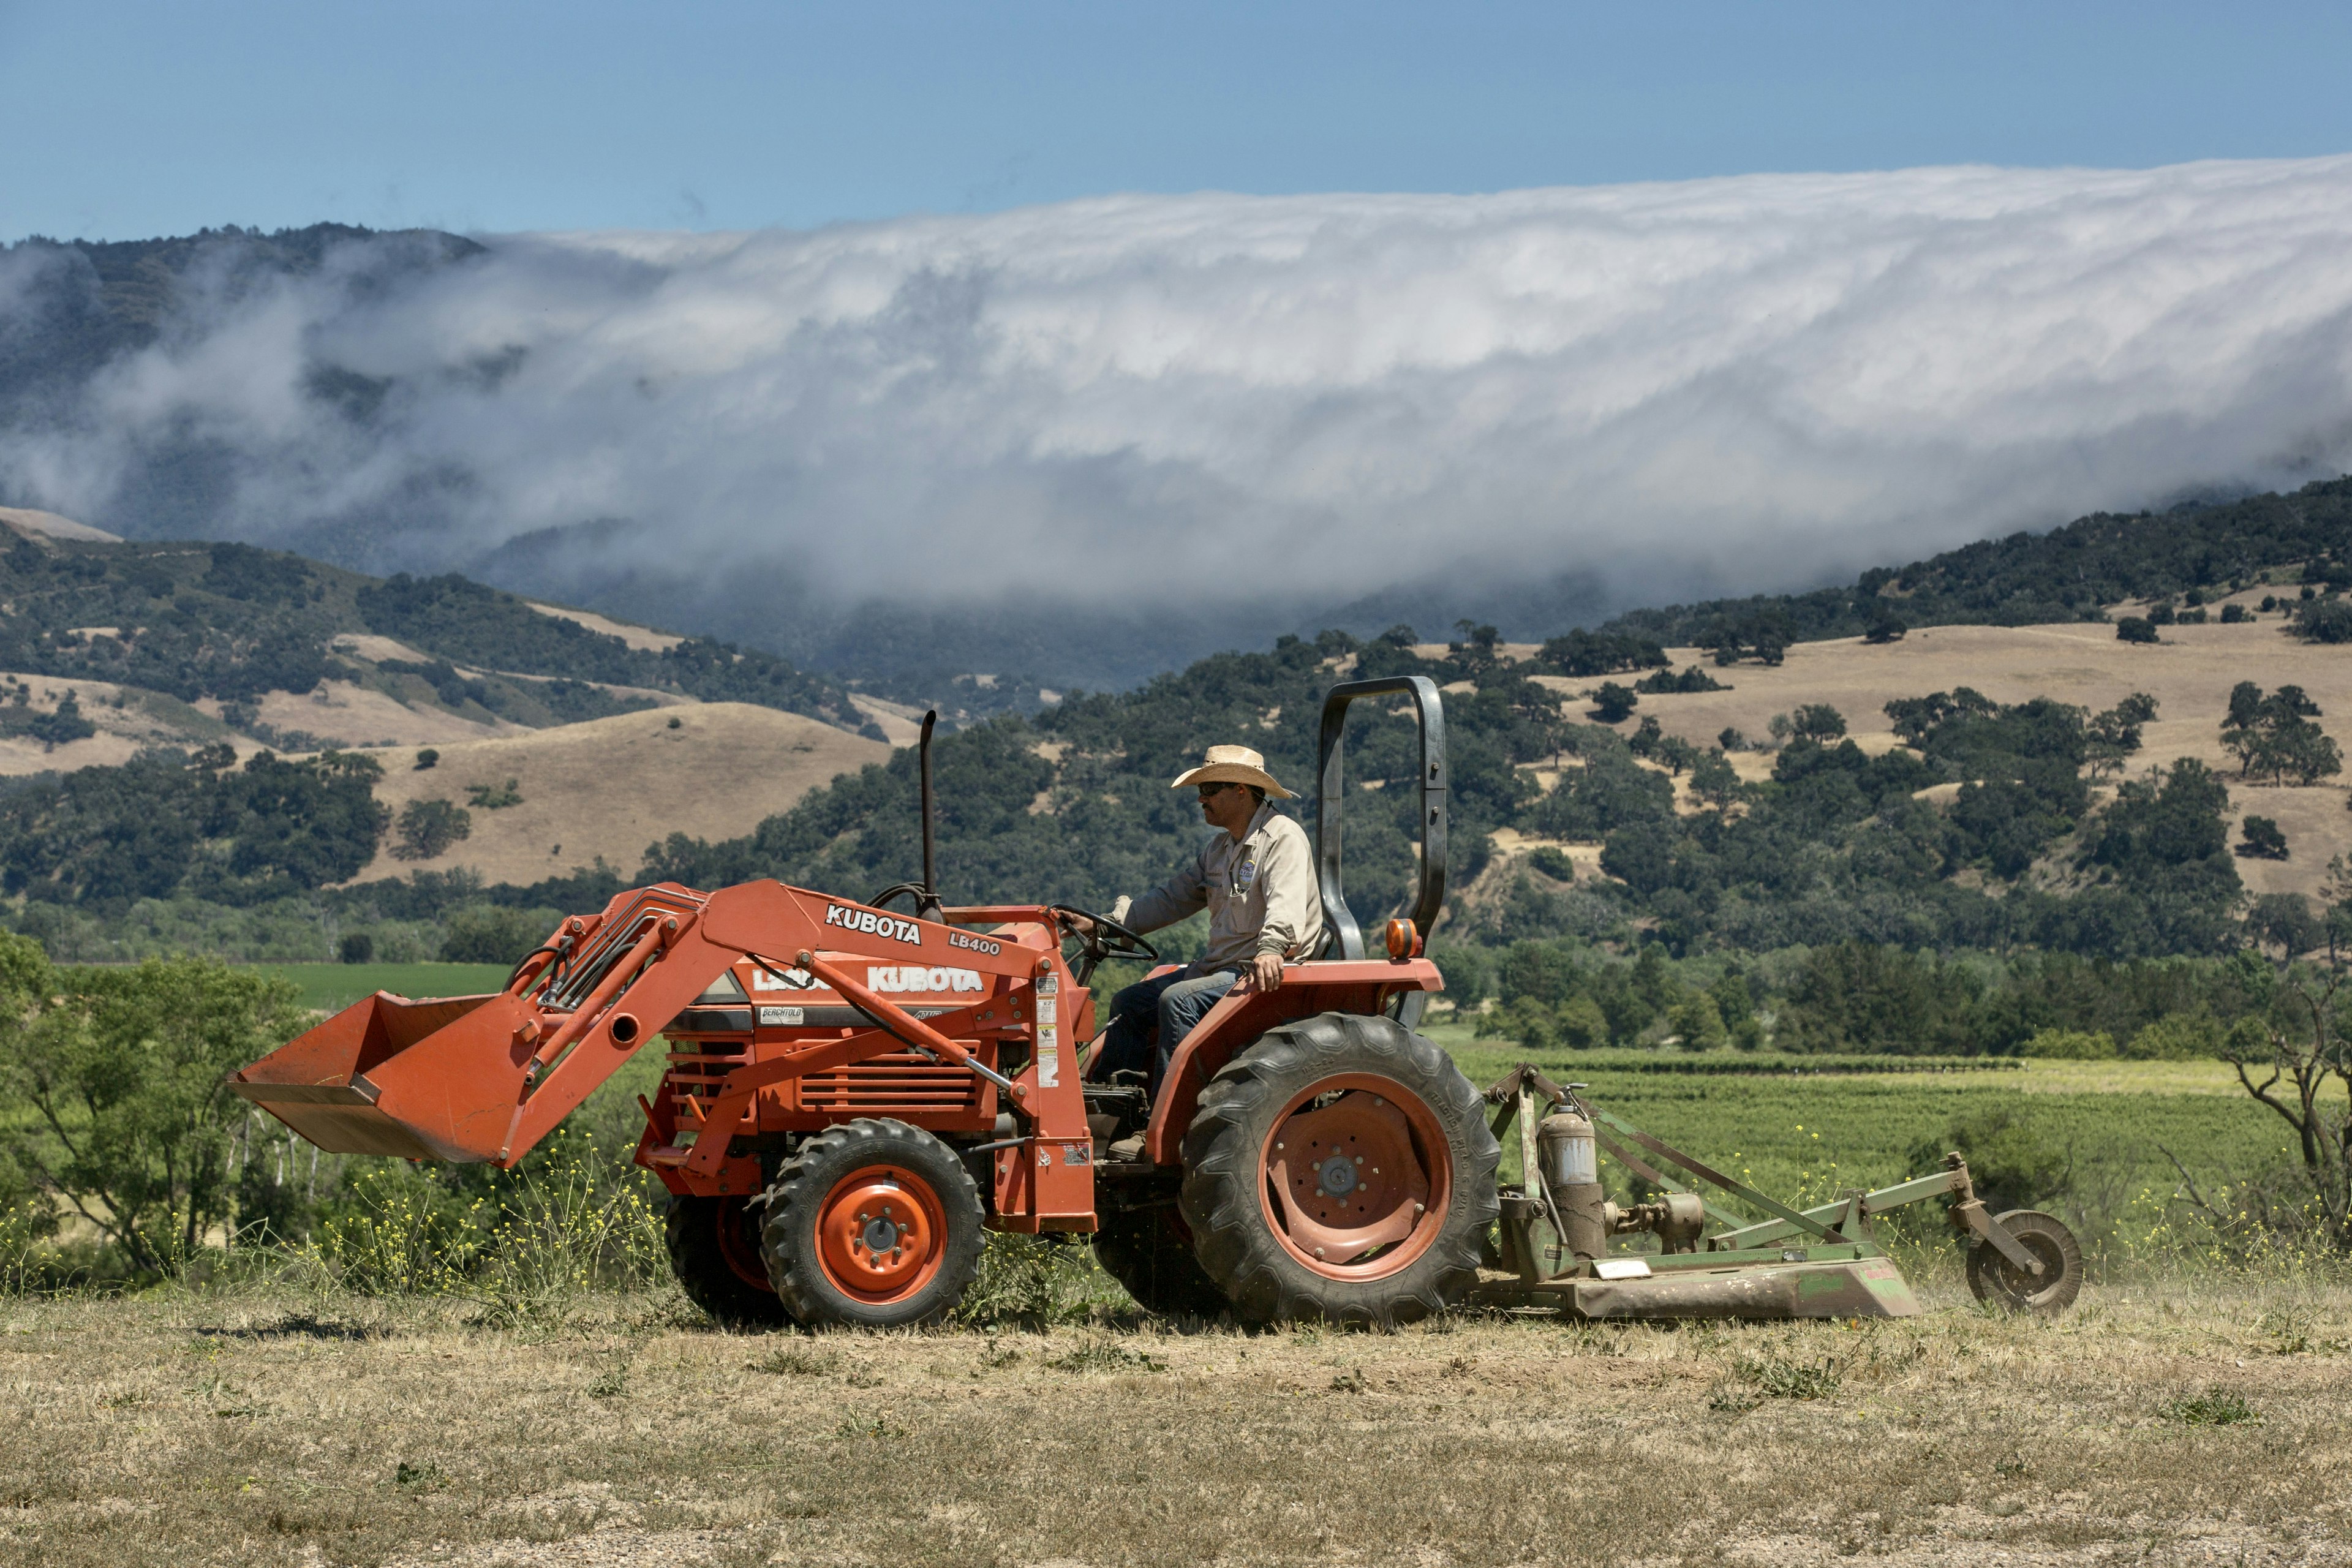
(1244, 875)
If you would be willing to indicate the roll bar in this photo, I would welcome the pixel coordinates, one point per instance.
(1330, 794)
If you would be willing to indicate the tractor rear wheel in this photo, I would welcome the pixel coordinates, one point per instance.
(1993, 1278)
(1340, 1168)
(1150, 1251)
(714, 1250)
(873, 1224)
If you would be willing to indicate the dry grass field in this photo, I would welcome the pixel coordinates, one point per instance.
(611, 786)
(2167, 1425)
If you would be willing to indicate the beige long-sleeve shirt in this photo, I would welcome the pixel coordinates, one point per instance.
(1260, 892)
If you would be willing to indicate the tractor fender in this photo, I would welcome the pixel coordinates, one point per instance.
(1341, 986)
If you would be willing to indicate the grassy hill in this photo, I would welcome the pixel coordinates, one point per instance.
(2074, 573)
(1704, 816)
(240, 628)
(603, 789)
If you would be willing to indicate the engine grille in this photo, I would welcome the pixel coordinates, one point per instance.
(899, 1081)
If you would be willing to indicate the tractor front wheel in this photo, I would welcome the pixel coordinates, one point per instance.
(1340, 1168)
(714, 1250)
(873, 1224)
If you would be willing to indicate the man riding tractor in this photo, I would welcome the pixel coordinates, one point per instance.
(1256, 879)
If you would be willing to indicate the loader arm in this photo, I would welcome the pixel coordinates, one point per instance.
(484, 1079)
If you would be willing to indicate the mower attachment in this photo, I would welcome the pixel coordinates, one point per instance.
(1818, 1262)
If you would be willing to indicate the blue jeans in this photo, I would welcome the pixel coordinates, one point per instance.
(1175, 1001)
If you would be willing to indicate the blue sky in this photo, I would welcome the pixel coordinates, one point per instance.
(142, 118)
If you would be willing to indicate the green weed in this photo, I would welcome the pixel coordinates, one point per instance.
(800, 1361)
(2213, 1407)
(1775, 1376)
(1100, 1355)
(425, 1476)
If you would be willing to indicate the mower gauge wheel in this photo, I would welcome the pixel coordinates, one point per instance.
(1994, 1280)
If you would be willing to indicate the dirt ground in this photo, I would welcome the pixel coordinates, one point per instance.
(260, 1429)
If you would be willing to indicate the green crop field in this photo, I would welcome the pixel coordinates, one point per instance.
(2092, 1137)
(2101, 1129)
(331, 987)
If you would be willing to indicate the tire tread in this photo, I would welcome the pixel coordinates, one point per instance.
(1231, 1237)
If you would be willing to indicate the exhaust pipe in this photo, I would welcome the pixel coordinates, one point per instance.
(927, 906)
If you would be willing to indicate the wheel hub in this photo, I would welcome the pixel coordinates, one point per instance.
(1349, 1181)
(874, 1237)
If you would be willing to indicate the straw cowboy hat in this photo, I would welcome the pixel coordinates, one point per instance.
(1234, 765)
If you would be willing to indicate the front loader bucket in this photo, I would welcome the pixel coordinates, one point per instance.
(438, 1080)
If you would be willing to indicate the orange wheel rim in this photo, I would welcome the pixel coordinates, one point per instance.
(1356, 1177)
(880, 1234)
(736, 1246)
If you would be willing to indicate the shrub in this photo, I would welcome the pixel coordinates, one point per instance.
(1665, 682)
(2012, 1161)
(427, 758)
(2177, 1037)
(1553, 864)
(1580, 1024)
(2235, 615)
(2071, 1044)
(2325, 621)
(2135, 628)
(2263, 839)
(494, 797)
(1817, 721)
(132, 1061)
(492, 936)
(1699, 1023)
(427, 827)
(356, 948)
(1715, 781)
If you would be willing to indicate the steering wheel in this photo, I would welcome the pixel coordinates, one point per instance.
(1093, 949)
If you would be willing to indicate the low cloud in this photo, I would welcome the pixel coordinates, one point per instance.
(1217, 400)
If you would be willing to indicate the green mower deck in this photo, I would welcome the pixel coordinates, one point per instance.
(1819, 1262)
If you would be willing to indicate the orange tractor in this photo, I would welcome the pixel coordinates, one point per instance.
(855, 1094)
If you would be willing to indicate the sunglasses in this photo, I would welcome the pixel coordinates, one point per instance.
(1210, 790)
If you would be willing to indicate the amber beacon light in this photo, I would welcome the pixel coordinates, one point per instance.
(1404, 940)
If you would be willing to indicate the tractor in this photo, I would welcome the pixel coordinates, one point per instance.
(856, 1092)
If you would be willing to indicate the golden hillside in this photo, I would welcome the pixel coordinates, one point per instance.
(2189, 674)
(611, 786)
